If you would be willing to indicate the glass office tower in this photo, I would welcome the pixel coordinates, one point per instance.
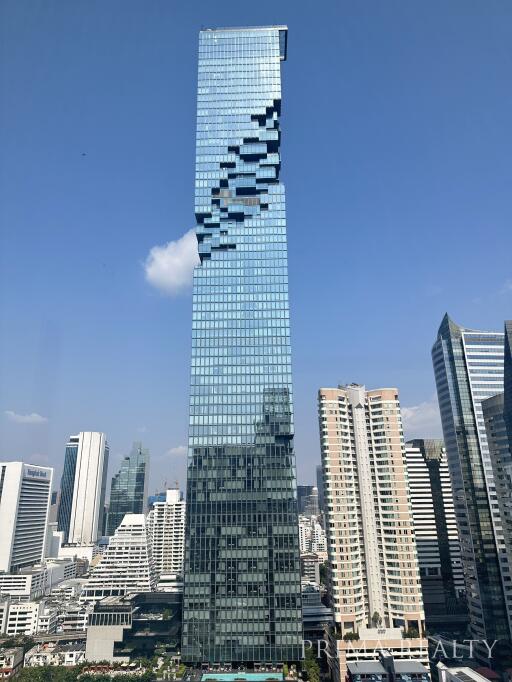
(242, 569)
(129, 487)
(507, 381)
(468, 366)
(67, 485)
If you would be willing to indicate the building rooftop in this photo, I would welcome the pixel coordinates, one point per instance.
(409, 667)
(242, 676)
(280, 27)
(10, 651)
(366, 668)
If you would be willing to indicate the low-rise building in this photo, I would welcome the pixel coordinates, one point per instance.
(316, 617)
(37, 581)
(27, 585)
(73, 617)
(69, 590)
(310, 567)
(11, 661)
(22, 618)
(387, 669)
(27, 618)
(138, 625)
(459, 674)
(372, 642)
(52, 653)
(47, 620)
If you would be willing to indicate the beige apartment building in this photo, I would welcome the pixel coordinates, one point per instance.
(374, 574)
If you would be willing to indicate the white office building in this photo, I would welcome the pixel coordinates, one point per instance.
(24, 505)
(83, 484)
(127, 565)
(435, 525)
(166, 526)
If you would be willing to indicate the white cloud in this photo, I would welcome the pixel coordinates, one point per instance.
(178, 451)
(422, 421)
(33, 418)
(170, 267)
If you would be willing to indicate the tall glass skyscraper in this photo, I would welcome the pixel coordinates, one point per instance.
(129, 487)
(67, 485)
(507, 381)
(242, 569)
(468, 366)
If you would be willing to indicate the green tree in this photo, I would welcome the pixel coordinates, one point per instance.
(311, 667)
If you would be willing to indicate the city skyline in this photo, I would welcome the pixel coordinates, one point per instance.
(360, 160)
(375, 157)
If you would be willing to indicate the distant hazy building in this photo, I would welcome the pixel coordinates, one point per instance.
(435, 526)
(468, 366)
(82, 490)
(166, 526)
(307, 500)
(312, 537)
(374, 579)
(127, 565)
(25, 491)
(157, 497)
(507, 381)
(129, 488)
(320, 487)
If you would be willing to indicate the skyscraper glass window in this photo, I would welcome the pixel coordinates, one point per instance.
(242, 568)
(129, 487)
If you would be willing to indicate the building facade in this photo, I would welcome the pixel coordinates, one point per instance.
(166, 526)
(507, 381)
(435, 526)
(307, 500)
(468, 366)
(374, 578)
(368, 510)
(497, 413)
(82, 488)
(25, 491)
(129, 487)
(320, 487)
(242, 571)
(127, 566)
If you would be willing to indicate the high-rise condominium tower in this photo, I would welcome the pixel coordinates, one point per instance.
(374, 573)
(166, 524)
(468, 366)
(129, 487)
(242, 569)
(435, 525)
(24, 505)
(82, 488)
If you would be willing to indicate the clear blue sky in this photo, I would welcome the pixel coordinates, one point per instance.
(397, 159)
